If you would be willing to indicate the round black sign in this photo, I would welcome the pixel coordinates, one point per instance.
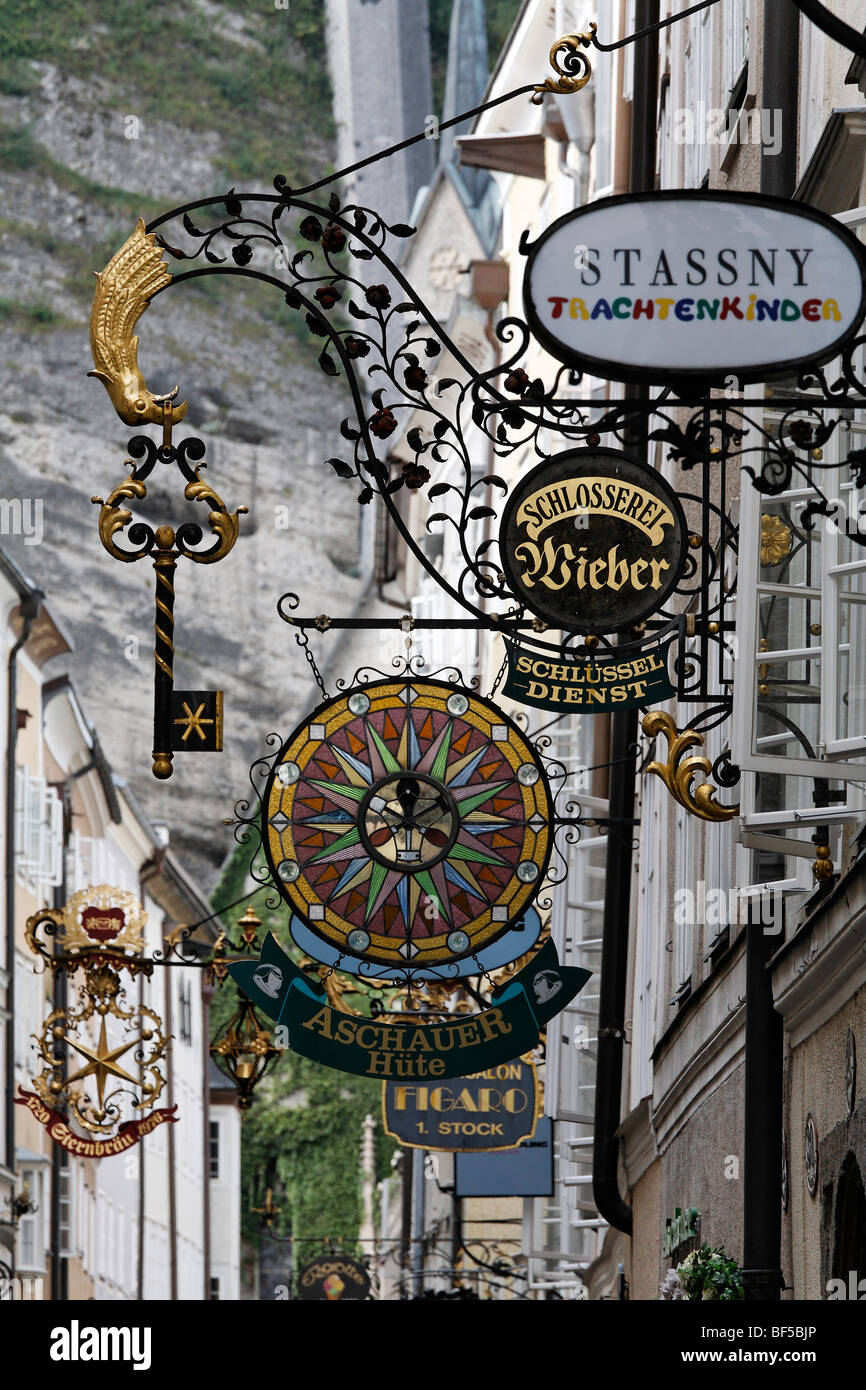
(593, 541)
(331, 1278)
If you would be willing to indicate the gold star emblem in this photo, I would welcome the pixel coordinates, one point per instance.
(102, 1063)
(194, 722)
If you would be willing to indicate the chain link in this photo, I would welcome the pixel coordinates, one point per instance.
(303, 642)
(500, 673)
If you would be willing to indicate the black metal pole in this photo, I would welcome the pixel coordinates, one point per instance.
(762, 1141)
(623, 754)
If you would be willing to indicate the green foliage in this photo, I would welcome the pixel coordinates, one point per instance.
(500, 15)
(255, 75)
(33, 314)
(709, 1274)
(302, 1135)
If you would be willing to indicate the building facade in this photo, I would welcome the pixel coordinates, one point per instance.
(137, 1225)
(715, 910)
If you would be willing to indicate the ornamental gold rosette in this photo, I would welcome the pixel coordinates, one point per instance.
(572, 66)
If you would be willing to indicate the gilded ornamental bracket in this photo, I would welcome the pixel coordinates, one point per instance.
(570, 63)
(680, 772)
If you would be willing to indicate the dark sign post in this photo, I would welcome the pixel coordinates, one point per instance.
(593, 541)
(495, 1109)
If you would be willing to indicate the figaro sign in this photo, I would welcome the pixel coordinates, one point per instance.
(694, 284)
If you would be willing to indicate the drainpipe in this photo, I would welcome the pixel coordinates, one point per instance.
(762, 1143)
(207, 992)
(611, 1205)
(30, 607)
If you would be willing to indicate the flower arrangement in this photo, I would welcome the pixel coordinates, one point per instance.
(705, 1274)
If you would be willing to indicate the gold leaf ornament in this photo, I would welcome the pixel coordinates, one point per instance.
(775, 540)
(679, 772)
(124, 289)
(572, 65)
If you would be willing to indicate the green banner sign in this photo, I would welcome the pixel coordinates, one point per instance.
(594, 686)
(407, 1051)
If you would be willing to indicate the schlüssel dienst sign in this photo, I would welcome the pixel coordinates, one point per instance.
(694, 284)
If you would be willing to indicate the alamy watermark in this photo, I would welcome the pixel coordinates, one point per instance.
(714, 125)
(725, 907)
(853, 1288)
(22, 516)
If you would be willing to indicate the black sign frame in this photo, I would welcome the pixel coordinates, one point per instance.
(569, 464)
(610, 370)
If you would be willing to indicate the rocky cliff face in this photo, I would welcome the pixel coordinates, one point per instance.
(108, 113)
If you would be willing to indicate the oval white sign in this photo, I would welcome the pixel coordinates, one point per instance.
(694, 284)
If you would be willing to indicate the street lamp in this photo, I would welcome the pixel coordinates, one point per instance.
(242, 1049)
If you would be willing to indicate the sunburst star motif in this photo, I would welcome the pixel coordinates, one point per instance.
(408, 822)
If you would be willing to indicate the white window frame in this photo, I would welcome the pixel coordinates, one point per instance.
(603, 83)
(66, 1213)
(650, 889)
(215, 1136)
(28, 1013)
(836, 764)
(38, 831)
(697, 58)
(736, 20)
(32, 1224)
(95, 860)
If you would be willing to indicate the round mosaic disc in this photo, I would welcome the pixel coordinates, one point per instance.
(407, 829)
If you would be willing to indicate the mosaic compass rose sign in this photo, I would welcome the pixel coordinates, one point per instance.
(407, 823)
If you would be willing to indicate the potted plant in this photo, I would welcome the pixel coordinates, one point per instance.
(705, 1274)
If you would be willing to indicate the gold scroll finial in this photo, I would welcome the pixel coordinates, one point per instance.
(124, 289)
(572, 65)
(679, 772)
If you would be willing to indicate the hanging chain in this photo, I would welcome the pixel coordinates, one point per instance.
(303, 642)
(407, 626)
(500, 673)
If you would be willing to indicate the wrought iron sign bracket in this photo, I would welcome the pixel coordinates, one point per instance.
(183, 720)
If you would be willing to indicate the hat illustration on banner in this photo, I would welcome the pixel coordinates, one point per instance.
(545, 984)
(269, 978)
